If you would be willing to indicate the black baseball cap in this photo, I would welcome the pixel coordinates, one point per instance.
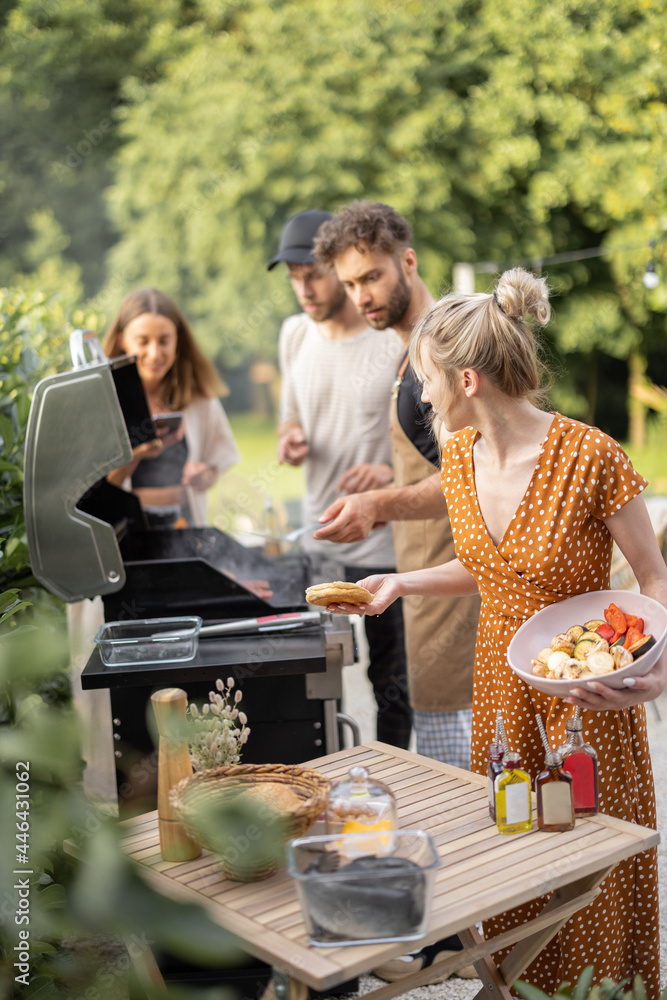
(298, 236)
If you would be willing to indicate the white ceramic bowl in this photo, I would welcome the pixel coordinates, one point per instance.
(539, 630)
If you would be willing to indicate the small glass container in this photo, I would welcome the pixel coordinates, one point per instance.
(555, 803)
(581, 761)
(361, 804)
(148, 640)
(514, 812)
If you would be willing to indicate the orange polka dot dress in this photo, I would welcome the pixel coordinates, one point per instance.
(557, 546)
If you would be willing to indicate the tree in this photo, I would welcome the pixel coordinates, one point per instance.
(62, 63)
(501, 135)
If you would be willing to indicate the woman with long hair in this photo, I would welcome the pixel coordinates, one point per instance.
(172, 474)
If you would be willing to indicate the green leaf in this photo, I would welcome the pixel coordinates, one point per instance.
(8, 598)
(19, 606)
(529, 992)
(6, 433)
(6, 466)
(52, 897)
(638, 988)
(583, 984)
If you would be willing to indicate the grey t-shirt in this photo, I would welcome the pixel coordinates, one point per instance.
(339, 392)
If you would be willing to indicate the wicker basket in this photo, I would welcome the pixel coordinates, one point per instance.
(219, 787)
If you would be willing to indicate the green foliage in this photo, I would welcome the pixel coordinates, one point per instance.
(61, 64)
(33, 343)
(99, 893)
(606, 989)
(500, 134)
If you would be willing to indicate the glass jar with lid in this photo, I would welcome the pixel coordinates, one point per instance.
(359, 803)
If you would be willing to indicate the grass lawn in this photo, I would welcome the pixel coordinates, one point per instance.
(239, 497)
(651, 460)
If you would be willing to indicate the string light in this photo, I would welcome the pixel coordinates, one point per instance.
(650, 277)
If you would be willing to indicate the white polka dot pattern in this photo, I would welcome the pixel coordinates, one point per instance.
(556, 546)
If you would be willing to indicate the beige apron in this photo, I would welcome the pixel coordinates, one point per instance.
(440, 632)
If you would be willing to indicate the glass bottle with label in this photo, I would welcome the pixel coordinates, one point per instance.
(361, 804)
(514, 811)
(581, 761)
(493, 769)
(555, 802)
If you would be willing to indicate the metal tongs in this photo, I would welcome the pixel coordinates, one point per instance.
(268, 623)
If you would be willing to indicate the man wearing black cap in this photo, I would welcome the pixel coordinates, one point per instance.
(337, 376)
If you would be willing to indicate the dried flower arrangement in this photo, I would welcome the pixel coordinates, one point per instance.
(217, 733)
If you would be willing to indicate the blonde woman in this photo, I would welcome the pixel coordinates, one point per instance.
(536, 501)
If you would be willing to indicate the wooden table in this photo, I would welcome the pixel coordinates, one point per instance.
(483, 873)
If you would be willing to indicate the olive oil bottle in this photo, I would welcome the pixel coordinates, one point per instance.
(514, 812)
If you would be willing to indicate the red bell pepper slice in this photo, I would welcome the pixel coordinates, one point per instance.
(606, 631)
(634, 622)
(615, 617)
(632, 635)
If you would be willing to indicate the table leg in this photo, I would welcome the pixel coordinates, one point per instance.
(146, 968)
(523, 954)
(284, 987)
(493, 985)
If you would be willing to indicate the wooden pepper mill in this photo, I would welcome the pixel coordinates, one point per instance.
(169, 705)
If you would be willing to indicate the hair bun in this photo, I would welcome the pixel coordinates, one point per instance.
(521, 293)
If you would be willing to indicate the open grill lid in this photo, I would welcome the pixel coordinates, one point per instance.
(76, 434)
(87, 537)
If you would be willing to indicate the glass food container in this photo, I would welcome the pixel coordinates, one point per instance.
(361, 898)
(148, 640)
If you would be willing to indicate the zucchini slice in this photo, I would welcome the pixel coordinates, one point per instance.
(591, 634)
(584, 647)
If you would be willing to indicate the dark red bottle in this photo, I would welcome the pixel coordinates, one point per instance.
(581, 760)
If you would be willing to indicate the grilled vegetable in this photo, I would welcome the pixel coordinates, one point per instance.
(632, 635)
(622, 657)
(597, 647)
(588, 634)
(567, 670)
(615, 617)
(601, 646)
(557, 657)
(562, 641)
(600, 663)
(583, 648)
(641, 646)
(606, 631)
